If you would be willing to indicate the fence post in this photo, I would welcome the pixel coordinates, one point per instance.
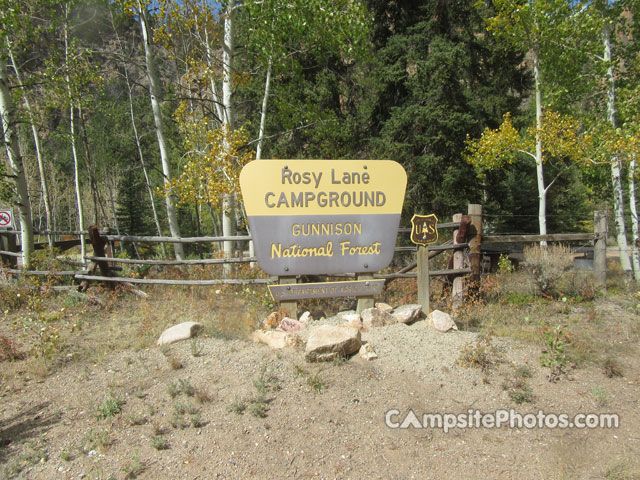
(290, 307)
(423, 278)
(600, 249)
(8, 244)
(457, 290)
(475, 246)
(366, 301)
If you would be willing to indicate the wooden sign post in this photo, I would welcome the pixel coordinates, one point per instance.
(424, 232)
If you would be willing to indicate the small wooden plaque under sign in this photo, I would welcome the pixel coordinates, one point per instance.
(355, 288)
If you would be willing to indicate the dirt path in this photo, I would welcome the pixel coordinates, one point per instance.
(322, 421)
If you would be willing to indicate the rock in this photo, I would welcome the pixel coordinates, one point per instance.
(352, 320)
(367, 352)
(441, 321)
(182, 331)
(385, 307)
(273, 320)
(350, 317)
(291, 325)
(294, 340)
(407, 313)
(345, 314)
(306, 317)
(273, 338)
(326, 342)
(372, 317)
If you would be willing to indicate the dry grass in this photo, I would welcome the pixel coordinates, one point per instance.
(92, 331)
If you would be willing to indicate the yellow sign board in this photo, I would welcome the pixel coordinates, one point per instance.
(322, 187)
(323, 216)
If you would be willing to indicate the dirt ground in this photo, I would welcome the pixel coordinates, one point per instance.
(314, 420)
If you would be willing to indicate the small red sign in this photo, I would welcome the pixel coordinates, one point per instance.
(6, 218)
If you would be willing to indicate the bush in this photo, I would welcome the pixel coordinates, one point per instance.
(547, 266)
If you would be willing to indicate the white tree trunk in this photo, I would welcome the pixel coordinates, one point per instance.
(214, 90)
(154, 90)
(263, 122)
(228, 215)
(616, 165)
(17, 168)
(542, 192)
(137, 139)
(36, 141)
(142, 162)
(635, 243)
(263, 112)
(74, 152)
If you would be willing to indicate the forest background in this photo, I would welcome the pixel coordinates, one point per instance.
(139, 115)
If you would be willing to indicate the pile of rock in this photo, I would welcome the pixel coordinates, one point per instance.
(326, 342)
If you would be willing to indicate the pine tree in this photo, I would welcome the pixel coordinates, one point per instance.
(440, 77)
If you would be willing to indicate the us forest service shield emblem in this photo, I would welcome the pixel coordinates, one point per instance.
(424, 229)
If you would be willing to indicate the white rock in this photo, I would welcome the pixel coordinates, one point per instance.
(407, 313)
(441, 321)
(345, 313)
(306, 318)
(182, 331)
(353, 321)
(385, 307)
(328, 341)
(367, 352)
(372, 317)
(273, 338)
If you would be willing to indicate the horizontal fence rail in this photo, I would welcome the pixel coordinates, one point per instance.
(467, 236)
(554, 237)
(203, 261)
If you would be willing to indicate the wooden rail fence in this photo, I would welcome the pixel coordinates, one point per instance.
(467, 244)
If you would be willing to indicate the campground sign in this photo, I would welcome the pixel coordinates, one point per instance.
(323, 216)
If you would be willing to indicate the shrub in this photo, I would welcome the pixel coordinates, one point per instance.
(553, 354)
(110, 406)
(481, 354)
(547, 266)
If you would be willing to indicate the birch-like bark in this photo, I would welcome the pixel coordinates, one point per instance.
(635, 228)
(542, 192)
(72, 132)
(263, 112)
(44, 185)
(17, 167)
(143, 164)
(214, 90)
(228, 206)
(616, 164)
(154, 91)
(136, 137)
